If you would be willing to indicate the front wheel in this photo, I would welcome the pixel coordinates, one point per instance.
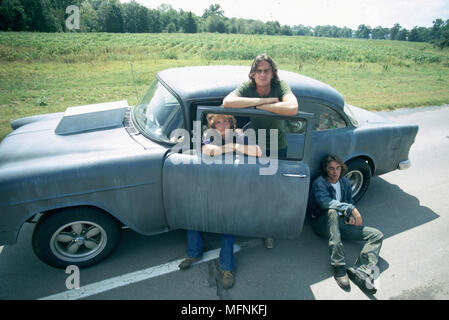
(80, 236)
(359, 175)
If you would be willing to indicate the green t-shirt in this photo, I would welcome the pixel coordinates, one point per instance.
(278, 91)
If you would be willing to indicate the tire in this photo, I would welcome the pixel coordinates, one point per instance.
(359, 174)
(80, 236)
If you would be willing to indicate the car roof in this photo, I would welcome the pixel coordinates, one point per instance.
(215, 82)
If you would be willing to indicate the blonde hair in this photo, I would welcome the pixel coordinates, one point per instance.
(211, 118)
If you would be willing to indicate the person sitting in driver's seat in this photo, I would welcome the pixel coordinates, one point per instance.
(232, 139)
(225, 126)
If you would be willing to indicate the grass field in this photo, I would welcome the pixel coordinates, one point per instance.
(43, 73)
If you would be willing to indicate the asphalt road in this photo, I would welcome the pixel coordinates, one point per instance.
(410, 207)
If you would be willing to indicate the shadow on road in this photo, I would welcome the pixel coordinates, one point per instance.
(294, 266)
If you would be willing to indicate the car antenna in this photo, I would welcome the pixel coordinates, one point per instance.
(134, 81)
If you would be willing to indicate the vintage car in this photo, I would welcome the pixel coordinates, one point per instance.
(83, 174)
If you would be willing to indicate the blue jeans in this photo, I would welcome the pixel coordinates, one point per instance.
(195, 249)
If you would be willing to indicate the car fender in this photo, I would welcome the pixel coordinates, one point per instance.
(134, 196)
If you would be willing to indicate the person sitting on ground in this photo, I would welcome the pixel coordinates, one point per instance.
(335, 217)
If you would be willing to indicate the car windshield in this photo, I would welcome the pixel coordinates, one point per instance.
(158, 113)
(351, 115)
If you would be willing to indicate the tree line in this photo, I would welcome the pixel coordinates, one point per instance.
(113, 16)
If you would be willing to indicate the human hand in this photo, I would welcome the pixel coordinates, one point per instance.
(350, 220)
(355, 218)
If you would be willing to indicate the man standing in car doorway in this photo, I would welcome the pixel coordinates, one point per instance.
(265, 91)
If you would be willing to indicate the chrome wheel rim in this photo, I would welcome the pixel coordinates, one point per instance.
(356, 179)
(78, 241)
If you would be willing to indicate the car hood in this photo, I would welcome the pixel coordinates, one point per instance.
(38, 140)
(36, 163)
(36, 143)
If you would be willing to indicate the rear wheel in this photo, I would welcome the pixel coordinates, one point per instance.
(80, 236)
(359, 175)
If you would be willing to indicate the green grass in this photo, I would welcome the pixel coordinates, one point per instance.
(43, 72)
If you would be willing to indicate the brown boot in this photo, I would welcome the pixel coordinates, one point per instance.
(187, 262)
(268, 243)
(227, 279)
(341, 277)
(362, 280)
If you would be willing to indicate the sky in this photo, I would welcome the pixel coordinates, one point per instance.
(341, 13)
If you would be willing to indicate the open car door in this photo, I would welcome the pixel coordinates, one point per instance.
(233, 195)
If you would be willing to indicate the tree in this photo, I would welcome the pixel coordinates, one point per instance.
(89, 18)
(380, 33)
(256, 27)
(39, 16)
(363, 32)
(402, 35)
(213, 10)
(444, 39)
(154, 21)
(302, 30)
(419, 34)
(110, 16)
(346, 32)
(190, 25)
(395, 31)
(286, 31)
(215, 24)
(168, 18)
(440, 33)
(272, 28)
(135, 17)
(95, 4)
(12, 16)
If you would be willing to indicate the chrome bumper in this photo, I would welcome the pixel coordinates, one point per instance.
(404, 165)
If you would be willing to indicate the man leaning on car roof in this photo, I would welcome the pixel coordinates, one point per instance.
(265, 91)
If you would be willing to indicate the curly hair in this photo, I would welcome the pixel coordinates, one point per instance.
(211, 117)
(263, 57)
(328, 159)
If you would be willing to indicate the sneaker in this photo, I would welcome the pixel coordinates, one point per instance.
(341, 277)
(187, 262)
(268, 243)
(362, 281)
(227, 279)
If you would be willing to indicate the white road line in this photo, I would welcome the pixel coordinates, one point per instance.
(130, 278)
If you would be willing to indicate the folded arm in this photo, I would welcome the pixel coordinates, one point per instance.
(250, 150)
(325, 201)
(288, 106)
(232, 100)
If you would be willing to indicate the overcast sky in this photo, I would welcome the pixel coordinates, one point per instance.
(341, 13)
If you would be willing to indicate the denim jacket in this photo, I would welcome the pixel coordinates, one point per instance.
(323, 197)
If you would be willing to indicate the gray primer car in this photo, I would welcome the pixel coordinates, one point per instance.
(83, 174)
